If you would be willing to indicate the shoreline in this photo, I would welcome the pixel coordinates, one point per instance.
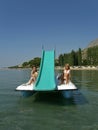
(58, 68)
(7, 68)
(79, 68)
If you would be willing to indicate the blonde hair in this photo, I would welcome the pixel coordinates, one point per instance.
(67, 65)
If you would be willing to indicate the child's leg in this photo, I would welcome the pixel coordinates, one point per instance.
(30, 81)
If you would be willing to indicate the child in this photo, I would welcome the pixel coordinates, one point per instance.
(65, 76)
(34, 74)
(67, 73)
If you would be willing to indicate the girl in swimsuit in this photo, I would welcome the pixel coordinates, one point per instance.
(67, 73)
(34, 74)
(65, 76)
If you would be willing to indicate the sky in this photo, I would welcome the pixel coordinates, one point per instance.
(27, 25)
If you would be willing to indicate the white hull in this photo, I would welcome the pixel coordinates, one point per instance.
(25, 87)
(67, 89)
(69, 86)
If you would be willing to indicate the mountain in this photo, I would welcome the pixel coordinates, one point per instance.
(93, 43)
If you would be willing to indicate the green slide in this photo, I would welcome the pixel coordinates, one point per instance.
(46, 77)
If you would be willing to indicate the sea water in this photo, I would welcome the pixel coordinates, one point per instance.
(48, 110)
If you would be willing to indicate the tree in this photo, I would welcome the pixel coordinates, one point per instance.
(72, 58)
(25, 64)
(79, 57)
(61, 60)
(35, 62)
(56, 62)
(92, 55)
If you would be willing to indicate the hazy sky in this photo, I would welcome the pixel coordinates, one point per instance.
(26, 25)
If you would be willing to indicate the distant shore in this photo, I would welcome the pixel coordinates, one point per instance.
(7, 68)
(59, 68)
(79, 68)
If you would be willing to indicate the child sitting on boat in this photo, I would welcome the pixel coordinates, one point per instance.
(34, 75)
(65, 76)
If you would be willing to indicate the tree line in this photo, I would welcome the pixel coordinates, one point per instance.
(33, 62)
(92, 56)
(75, 58)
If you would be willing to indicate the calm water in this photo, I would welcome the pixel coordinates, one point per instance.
(48, 111)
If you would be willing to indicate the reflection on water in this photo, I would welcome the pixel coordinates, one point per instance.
(52, 98)
(79, 98)
(56, 98)
(48, 110)
(86, 78)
